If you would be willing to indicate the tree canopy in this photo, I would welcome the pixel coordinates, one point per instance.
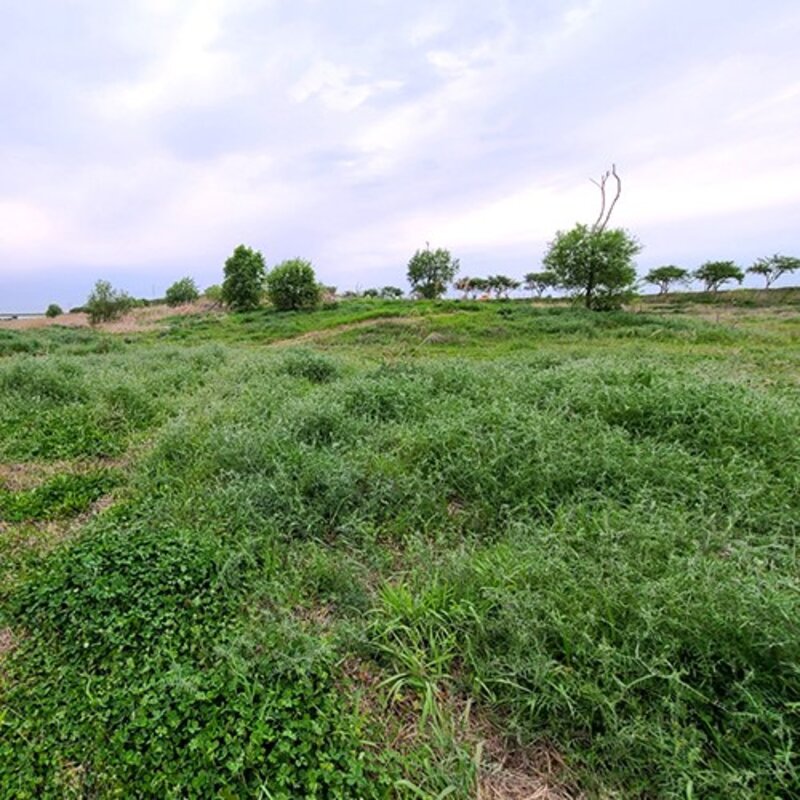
(539, 282)
(596, 265)
(293, 285)
(182, 291)
(773, 267)
(429, 272)
(714, 273)
(244, 279)
(665, 276)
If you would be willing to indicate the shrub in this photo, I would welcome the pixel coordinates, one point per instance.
(213, 293)
(312, 366)
(182, 291)
(53, 310)
(293, 285)
(106, 303)
(244, 279)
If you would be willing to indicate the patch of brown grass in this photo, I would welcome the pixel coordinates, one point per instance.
(506, 770)
(138, 319)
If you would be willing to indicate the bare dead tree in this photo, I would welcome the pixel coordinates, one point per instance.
(603, 218)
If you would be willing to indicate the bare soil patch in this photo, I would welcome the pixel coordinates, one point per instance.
(24, 475)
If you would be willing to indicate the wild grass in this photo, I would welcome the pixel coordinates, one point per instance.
(332, 571)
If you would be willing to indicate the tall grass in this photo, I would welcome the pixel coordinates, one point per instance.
(597, 552)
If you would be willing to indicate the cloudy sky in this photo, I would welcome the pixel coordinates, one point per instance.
(141, 140)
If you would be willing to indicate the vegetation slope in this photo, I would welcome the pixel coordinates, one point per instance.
(402, 550)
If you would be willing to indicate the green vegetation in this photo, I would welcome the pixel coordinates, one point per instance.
(106, 303)
(54, 310)
(292, 286)
(665, 276)
(182, 291)
(714, 274)
(540, 282)
(340, 568)
(596, 264)
(774, 267)
(244, 279)
(429, 272)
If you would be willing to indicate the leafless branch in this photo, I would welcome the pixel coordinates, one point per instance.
(604, 216)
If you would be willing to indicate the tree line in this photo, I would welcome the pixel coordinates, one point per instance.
(593, 263)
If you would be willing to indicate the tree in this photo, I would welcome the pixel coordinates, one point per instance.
(293, 285)
(715, 273)
(106, 303)
(54, 310)
(666, 275)
(391, 293)
(594, 262)
(478, 285)
(773, 267)
(539, 281)
(429, 272)
(463, 285)
(595, 265)
(244, 279)
(501, 285)
(182, 291)
(370, 292)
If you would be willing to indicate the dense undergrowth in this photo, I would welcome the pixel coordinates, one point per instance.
(322, 558)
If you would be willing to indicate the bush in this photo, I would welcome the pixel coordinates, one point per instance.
(244, 279)
(182, 291)
(53, 310)
(106, 303)
(312, 366)
(213, 293)
(293, 285)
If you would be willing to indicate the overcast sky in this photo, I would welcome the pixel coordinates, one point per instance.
(142, 140)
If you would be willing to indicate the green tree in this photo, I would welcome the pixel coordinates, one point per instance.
(595, 264)
(773, 267)
(54, 310)
(501, 285)
(478, 285)
(540, 281)
(664, 276)
(391, 292)
(244, 279)
(106, 303)
(463, 284)
(182, 291)
(714, 273)
(429, 272)
(293, 285)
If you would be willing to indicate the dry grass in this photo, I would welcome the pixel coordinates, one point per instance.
(7, 642)
(136, 320)
(506, 771)
(517, 774)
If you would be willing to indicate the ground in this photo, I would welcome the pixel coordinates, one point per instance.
(394, 549)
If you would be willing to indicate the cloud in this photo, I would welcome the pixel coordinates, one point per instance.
(155, 136)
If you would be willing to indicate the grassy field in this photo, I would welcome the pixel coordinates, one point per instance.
(393, 549)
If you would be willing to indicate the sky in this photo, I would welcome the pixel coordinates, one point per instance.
(142, 140)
